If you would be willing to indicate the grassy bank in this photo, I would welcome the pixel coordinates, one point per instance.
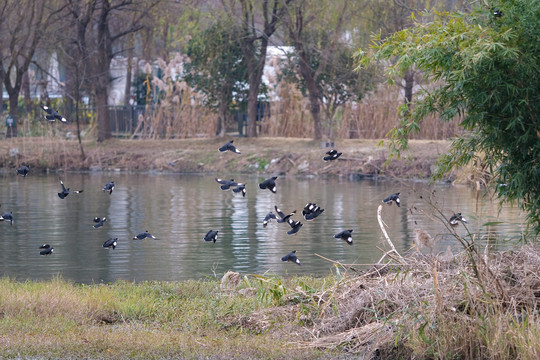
(444, 306)
(261, 155)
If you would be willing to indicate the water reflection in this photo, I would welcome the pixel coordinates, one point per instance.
(180, 209)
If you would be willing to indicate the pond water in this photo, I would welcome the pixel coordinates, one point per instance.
(180, 209)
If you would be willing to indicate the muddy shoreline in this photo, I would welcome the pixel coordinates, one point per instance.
(280, 156)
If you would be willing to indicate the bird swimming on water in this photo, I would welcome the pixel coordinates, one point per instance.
(230, 147)
(392, 198)
(65, 192)
(291, 257)
(345, 235)
(211, 236)
(269, 184)
(53, 115)
(23, 170)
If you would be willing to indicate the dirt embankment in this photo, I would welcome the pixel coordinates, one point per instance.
(291, 156)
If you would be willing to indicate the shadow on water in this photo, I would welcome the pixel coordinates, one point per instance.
(180, 209)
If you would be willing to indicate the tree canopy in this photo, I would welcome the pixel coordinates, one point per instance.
(485, 67)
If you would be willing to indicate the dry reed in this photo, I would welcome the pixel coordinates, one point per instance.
(434, 307)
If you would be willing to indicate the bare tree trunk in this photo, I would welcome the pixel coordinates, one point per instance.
(104, 128)
(1, 96)
(25, 87)
(254, 84)
(409, 84)
(129, 70)
(13, 112)
(222, 118)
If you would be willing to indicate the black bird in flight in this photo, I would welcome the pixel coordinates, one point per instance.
(100, 222)
(65, 192)
(230, 147)
(332, 155)
(268, 218)
(144, 235)
(53, 115)
(269, 184)
(23, 170)
(109, 187)
(295, 226)
(282, 217)
(291, 257)
(311, 211)
(345, 235)
(7, 216)
(211, 236)
(111, 243)
(454, 219)
(240, 188)
(226, 184)
(47, 249)
(392, 198)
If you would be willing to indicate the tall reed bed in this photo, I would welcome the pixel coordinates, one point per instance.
(372, 118)
(180, 112)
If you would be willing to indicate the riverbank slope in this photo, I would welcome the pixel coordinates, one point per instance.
(292, 156)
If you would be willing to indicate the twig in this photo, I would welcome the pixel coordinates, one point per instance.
(337, 262)
(381, 224)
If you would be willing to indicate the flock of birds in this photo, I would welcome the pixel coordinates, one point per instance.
(310, 211)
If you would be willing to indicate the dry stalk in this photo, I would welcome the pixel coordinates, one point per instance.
(393, 248)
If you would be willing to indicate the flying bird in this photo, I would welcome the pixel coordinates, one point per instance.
(240, 188)
(230, 147)
(23, 170)
(111, 243)
(291, 257)
(109, 187)
(144, 235)
(269, 184)
(65, 192)
(332, 155)
(100, 222)
(311, 211)
(392, 198)
(282, 217)
(226, 184)
(345, 235)
(53, 115)
(47, 249)
(268, 218)
(454, 219)
(211, 236)
(295, 226)
(7, 216)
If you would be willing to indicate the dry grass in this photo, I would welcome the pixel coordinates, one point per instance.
(435, 308)
(431, 306)
(372, 118)
(259, 155)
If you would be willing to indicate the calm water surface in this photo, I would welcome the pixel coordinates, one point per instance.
(180, 209)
